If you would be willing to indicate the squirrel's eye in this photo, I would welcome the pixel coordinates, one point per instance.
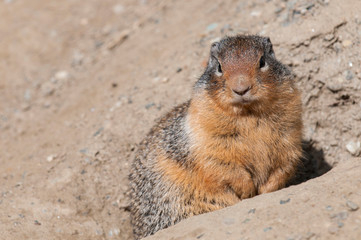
(219, 68)
(219, 71)
(262, 62)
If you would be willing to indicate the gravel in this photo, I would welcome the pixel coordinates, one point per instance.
(352, 206)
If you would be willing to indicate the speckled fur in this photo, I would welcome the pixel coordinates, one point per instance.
(213, 151)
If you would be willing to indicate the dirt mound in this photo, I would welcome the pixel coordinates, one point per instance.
(81, 84)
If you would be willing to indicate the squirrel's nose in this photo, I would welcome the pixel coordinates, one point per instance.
(242, 90)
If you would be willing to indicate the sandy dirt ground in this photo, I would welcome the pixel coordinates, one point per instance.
(81, 83)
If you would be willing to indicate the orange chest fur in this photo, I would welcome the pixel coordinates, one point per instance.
(223, 150)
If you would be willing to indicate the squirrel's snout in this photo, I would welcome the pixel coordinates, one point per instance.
(242, 90)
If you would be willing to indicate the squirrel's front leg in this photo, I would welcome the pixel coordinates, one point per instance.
(244, 186)
(277, 180)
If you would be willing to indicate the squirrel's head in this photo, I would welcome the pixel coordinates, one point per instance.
(243, 72)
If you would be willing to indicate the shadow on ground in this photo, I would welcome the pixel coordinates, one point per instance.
(313, 164)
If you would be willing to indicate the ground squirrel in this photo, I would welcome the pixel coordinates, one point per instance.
(239, 136)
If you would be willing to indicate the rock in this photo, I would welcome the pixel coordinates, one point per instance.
(310, 235)
(36, 222)
(156, 79)
(50, 158)
(346, 43)
(334, 86)
(47, 89)
(337, 46)
(107, 29)
(285, 201)
(149, 105)
(307, 42)
(77, 58)
(25, 107)
(118, 39)
(253, 210)
(98, 131)
(256, 13)
(354, 148)
(329, 37)
(348, 75)
(352, 206)
(159, 79)
(340, 224)
(61, 75)
(226, 28)
(333, 229)
(212, 27)
(340, 216)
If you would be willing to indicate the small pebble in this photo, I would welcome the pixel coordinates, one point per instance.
(267, 229)
(246, 220)
(149, 105)
(337, 46)
(84, 150)
(253, 210)
(36, 222)
(51, 157)
(333, 229)
(346, 43)
(25, 107)
(340, 216)
(200, 236)
(256, 13)
(329, 37)
(98, 131)
(354, 148)
(348, 75)
(307, 43)
(329, 208)
(352, 206)
(116, 231)
(285, 201)
(78, 58)
(334, 86)
(212, 27)
(61, 75)
(340, 224)
(118, 39)
(309, 235)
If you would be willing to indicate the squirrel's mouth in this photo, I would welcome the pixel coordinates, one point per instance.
(245, 99)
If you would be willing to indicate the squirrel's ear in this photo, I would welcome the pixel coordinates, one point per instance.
(213, 59)
(215, 49)
(268, 46)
